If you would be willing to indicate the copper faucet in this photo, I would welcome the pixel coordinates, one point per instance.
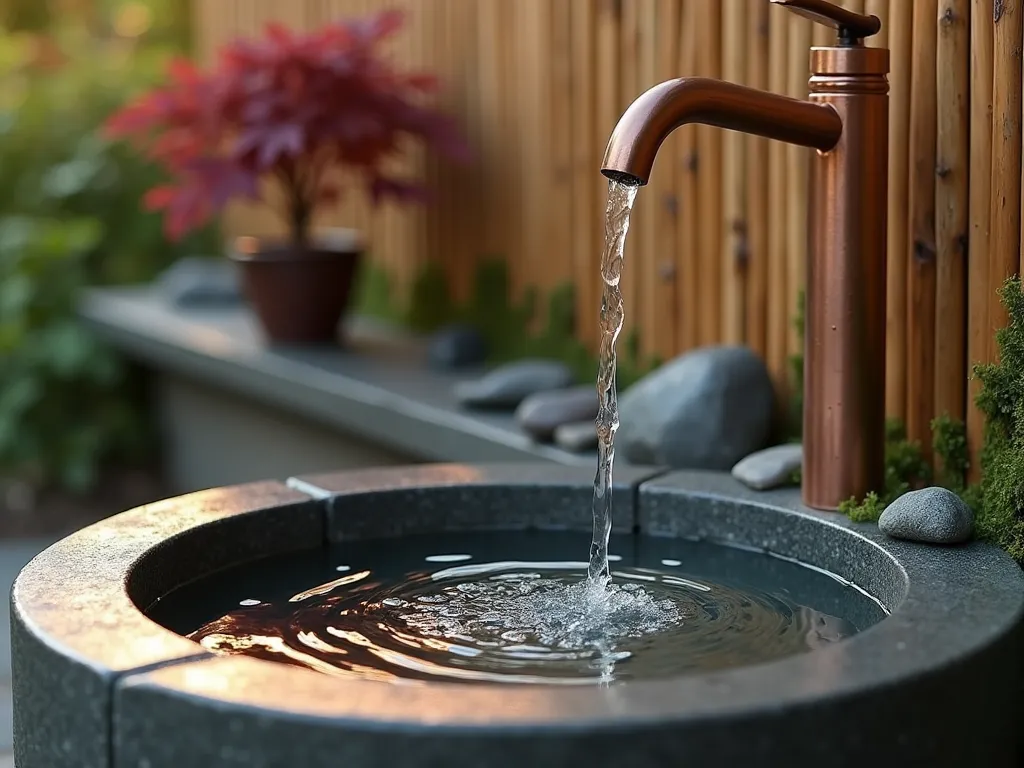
(846, 120)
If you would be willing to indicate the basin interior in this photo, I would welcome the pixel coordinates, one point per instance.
(462, 607)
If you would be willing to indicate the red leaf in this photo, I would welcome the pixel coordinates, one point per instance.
(159, 198)
(288, 103)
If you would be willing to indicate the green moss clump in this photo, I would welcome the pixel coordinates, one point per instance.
(949, 440)
(905, 465)
(866, 511)
(430, 303)
(999, 504)
(374, 295)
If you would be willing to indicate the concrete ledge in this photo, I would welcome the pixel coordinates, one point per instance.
(378, 389)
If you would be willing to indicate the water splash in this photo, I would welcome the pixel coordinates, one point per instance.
(616, 225)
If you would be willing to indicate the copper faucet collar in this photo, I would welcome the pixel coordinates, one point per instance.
(849, 61)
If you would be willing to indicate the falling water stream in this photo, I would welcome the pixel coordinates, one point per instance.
(414, 608)
(616, 225)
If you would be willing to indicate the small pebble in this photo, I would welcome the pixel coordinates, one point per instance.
(456, 346)
(771, 468)
(931, 516)
(542, 413)
(508, 385)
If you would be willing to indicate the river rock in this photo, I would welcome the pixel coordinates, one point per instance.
(771, 468)
(706, 409)
(456, 346)
(508, 385)
(542, 413)
(198, 282)
(931, 515)
(578, 437)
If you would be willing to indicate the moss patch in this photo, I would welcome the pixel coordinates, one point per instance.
(506, 324)
(999, 503)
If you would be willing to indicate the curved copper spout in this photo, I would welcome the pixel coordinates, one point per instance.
(659, 111)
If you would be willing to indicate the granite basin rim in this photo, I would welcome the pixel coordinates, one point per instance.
(928, 586)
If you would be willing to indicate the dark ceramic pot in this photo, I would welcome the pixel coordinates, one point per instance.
(299, 294)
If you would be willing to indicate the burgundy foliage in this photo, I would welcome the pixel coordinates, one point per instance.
(289, 106)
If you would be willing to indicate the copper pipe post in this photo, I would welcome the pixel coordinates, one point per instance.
(846, 121)
(844, 364)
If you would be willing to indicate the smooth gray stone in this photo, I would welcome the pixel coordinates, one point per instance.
(931, 516)
(542, 413)
(706, 409)
(508, 385)
(771, 468)
(195, 281)
(456, 346)
(578, 437)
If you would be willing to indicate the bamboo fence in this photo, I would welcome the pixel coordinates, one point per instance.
(717, 248)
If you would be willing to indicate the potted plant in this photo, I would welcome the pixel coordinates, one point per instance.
(278, 116)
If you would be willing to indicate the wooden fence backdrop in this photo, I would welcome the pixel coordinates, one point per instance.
(717, 248)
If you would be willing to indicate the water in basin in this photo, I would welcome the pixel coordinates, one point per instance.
(514, 607)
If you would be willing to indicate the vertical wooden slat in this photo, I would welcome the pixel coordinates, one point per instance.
(649, 300)
(629, 89)
(798, 168)
(489, 150)
(607, 85)
(512, 149)
(586, 153)
(1005, 202)
(689, 272)
(797, 178)
(920, 316)
(665, 299)
(756, 164)
(557, 245)
(951, 206)
(774, 313)
(979, 333)
(900, 77)
(735, 243)
(709, 147)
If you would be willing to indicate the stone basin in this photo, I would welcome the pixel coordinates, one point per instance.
(97, 683)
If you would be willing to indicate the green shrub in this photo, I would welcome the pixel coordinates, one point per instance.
(70, 217)
(999, 503)
(62, 410)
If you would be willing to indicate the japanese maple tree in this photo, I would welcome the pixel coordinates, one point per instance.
(290, 106)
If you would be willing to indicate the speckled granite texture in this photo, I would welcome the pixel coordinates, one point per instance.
(97, 684)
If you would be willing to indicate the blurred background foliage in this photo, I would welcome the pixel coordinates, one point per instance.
(70, 217)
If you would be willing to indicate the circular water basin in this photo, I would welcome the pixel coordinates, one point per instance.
(283, 624)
